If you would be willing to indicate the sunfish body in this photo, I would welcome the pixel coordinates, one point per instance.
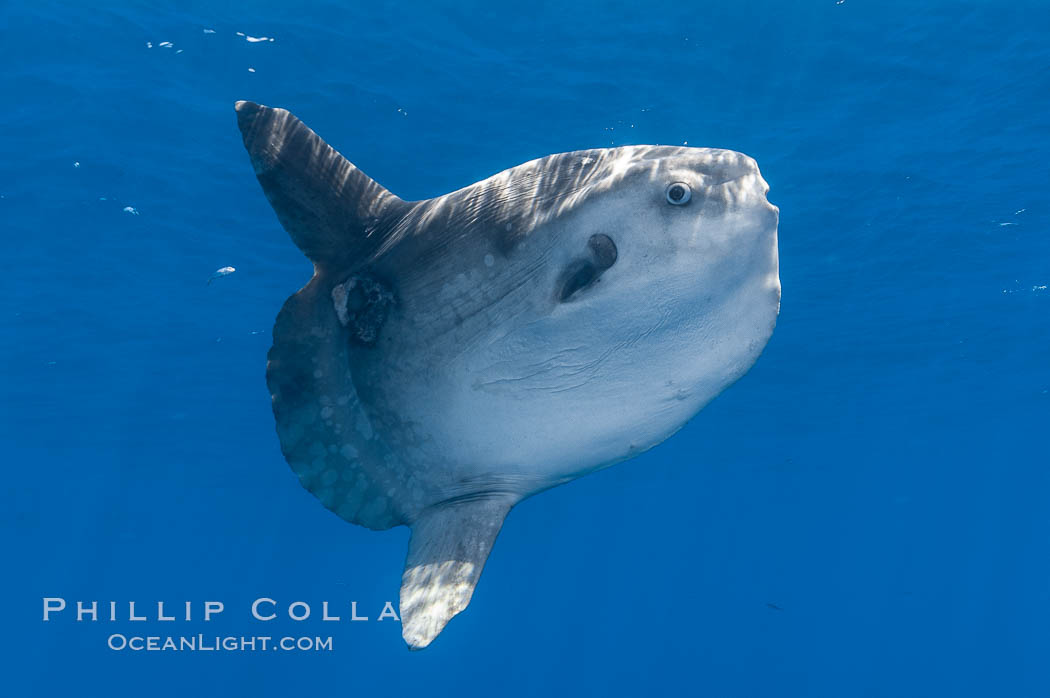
(453, 356)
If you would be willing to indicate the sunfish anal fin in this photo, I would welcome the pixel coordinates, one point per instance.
(449, 545)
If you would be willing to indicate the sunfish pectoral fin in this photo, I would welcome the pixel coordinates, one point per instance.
(449, 545)
(334, 212)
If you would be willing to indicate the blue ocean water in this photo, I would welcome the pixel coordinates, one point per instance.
(864, 514)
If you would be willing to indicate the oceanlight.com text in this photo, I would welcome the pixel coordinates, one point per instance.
(216, 643)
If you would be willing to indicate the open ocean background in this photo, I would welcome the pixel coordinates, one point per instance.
(867, 513)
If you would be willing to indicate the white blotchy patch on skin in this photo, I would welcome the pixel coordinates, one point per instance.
(434, 593)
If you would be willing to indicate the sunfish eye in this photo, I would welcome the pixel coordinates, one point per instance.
(678, 193)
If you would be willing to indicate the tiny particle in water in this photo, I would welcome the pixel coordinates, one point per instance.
(1020, 211)
(1002, 225)
(132, 210)
(221, 272)
(166, 44)
(149, 44)
(76, 164)
(251, 70)
(179, 51)
(209, 31)
(774, 607)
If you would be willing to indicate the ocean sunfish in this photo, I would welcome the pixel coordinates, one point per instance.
(452, 356)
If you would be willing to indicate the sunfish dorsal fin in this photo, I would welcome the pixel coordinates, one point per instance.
(450, 543)
(334, 212)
